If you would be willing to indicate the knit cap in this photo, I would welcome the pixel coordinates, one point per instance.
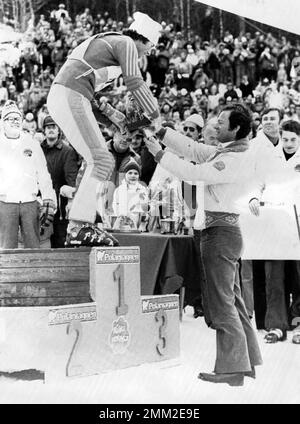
(132, 164)
(10, 107)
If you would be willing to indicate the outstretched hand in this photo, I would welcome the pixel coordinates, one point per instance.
(153, 145)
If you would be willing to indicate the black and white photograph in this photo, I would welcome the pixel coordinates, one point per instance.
(149, 205)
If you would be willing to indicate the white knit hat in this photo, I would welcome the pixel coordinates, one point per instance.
(196, 119)
(9, 107)
(146, 27)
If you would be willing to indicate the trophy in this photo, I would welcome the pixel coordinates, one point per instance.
(136, 118)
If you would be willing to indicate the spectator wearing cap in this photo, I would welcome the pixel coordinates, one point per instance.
(192, 126)
(63, 168)
(23, 175)
(131, 197)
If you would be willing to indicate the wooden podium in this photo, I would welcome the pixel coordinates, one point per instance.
(119, 328)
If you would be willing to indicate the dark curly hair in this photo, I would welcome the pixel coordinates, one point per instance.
(135, 35)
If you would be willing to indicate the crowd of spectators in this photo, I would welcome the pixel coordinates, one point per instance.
(191, 78)
(187, 75)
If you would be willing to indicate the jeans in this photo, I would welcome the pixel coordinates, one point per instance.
(23, 215)
(237, 346)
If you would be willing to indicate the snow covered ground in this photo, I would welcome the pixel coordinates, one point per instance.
(278, 380)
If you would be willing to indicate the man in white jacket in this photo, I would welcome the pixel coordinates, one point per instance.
(225, 171)
(23, 175)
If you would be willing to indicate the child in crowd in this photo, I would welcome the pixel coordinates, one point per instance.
(131, 197)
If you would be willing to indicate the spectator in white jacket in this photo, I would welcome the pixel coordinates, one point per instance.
(263, 156)
(23, 176)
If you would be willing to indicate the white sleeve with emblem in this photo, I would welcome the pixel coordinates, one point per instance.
(222, 170)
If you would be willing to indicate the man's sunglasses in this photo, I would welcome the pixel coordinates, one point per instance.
(190, 129)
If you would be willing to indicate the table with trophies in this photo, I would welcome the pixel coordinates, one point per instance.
(165, 261)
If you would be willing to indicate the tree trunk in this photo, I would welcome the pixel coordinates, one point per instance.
(134, 5)
(221, 24)
(242, 25)
(188, 17)
(181, 15)
(117, 9)
(127, 9)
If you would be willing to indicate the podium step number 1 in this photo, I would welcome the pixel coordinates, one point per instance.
(119, 329)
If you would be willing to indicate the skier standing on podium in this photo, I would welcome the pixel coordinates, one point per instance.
(91, 67)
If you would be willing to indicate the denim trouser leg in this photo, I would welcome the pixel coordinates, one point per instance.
(9, 225)
(30, 225)
(277, 314)
(221, 249)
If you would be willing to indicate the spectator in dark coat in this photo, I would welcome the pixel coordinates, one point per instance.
(63, 167)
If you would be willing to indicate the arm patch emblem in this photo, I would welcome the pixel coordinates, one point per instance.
(219, 165)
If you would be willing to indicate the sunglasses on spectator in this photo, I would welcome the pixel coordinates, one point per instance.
(12, 120)
(191, 129)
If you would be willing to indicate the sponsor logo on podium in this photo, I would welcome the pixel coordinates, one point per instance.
(119, 338)
(67, 315)
(118, 256)
(155, 304)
